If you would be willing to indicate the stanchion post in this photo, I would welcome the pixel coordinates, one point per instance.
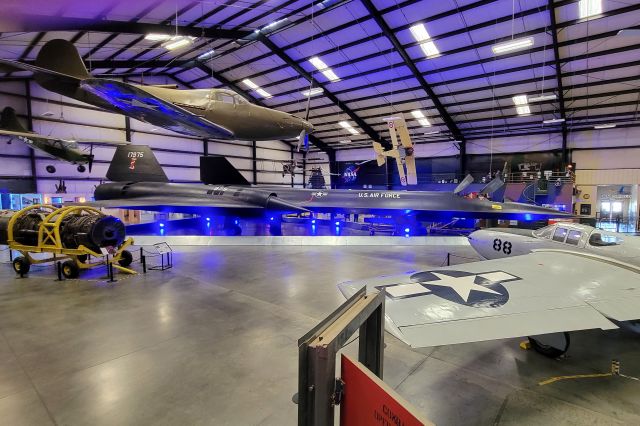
(448, 259)
(110, 270)
(10, 255)
(59, 268)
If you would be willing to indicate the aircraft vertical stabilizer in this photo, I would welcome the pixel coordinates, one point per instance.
(135, 163)
(62, 57)
(9, 121)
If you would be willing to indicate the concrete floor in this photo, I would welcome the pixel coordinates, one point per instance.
(213, 341)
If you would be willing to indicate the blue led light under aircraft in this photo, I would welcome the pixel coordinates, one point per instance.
(161, 225)
(208, 219)
(527, 216)
(313, 222)
(337, 223)
(407, 230)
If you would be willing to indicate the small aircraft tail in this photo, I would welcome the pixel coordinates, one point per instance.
(62, 57)
(9, 121)
(58, 64)
(135, 163)
(379, 150)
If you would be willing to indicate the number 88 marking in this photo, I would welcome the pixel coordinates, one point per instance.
(499, 246)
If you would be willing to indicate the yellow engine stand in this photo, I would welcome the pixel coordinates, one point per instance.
(50, 241)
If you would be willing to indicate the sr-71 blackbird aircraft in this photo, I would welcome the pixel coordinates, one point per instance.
(61, 149)
(543, 284)
(205, 113)
(140, 183)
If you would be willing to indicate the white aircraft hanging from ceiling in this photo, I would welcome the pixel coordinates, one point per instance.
(402, 152)
(542, 284)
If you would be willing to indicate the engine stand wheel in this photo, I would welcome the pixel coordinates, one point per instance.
(21, 265)
(125, 259)
(551, 345)
(70, 269)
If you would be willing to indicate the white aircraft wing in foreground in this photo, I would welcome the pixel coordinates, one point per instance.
(547, 291)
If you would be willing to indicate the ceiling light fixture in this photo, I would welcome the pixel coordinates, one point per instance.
(523, 110)
(520, 100)
(324, 68)
(312, 92)
(512, 45)
(604, 126)
(206, 55)
(543, 98)
(178, 42)
(419, 32)
(419, 115)
(588, 8)
(257, 88)
(554, 121)
(157, 37)
(346, 125)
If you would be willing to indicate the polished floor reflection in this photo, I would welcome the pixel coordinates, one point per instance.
(213, 341)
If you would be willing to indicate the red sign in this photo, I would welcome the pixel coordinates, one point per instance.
(367, 400)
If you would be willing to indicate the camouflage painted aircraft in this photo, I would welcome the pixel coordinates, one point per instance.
(61, 149)
(543, 284)
(205, 113)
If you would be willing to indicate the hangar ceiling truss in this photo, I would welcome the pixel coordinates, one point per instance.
(466, 91)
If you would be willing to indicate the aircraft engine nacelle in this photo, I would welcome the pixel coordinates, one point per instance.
(92, 231)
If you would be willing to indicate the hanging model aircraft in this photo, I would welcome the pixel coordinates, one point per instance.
(543, 284)
(61, 149)
(402, 152)
(205, 113)
(140, 183)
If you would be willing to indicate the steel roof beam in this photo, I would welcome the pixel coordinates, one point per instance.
(359, 121)
(48, 23)
(560, 88)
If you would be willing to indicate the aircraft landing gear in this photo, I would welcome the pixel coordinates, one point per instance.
(81, 168)
(551, 345)
(50, 168)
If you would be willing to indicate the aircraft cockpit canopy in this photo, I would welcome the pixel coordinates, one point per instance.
(571, 235)
(600, 238)
(228, 97)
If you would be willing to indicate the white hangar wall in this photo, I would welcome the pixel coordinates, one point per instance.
(57, 115)
(604, 143)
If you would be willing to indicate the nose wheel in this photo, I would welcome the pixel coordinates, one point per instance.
(81, 168)
(50, 168)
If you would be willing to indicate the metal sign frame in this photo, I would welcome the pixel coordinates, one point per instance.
(319, 347)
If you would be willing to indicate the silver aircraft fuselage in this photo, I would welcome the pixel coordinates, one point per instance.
(497, 243)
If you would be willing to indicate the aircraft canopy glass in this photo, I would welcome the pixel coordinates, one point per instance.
(229, 97)
(600, 238)
(545, 232)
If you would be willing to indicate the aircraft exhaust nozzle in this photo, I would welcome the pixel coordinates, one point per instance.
(275, 203)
